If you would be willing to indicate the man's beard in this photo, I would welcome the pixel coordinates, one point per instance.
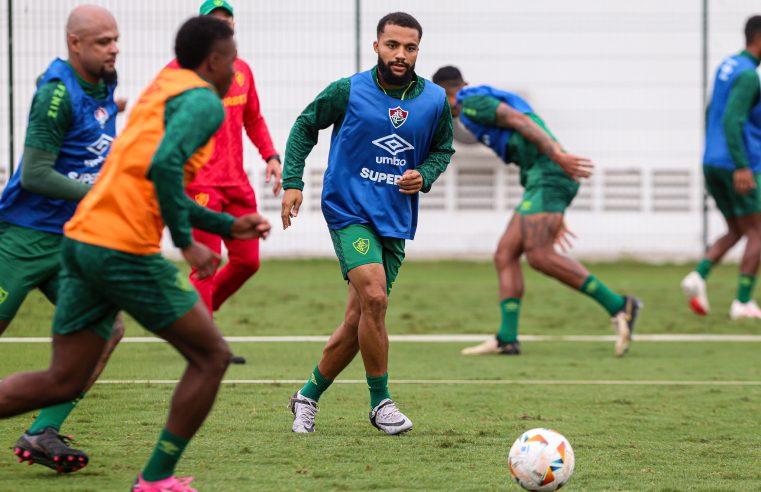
(108, 77)
(388, 76)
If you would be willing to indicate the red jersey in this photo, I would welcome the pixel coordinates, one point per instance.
(225, 168)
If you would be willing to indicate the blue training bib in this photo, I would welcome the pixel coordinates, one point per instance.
(716, 150)
(80, 158)
(379, 139)
(493, 137)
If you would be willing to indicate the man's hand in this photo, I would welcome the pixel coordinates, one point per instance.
(744, 181)
(575, 167)
(564, 237)
(292, 199)
(411, 182)
(202, 259)
(121, 104)
(274, 171)
(251, 226)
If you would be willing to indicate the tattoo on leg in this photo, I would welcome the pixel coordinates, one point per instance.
(538, 237)
(539, 230)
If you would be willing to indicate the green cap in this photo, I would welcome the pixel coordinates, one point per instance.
(210, 5)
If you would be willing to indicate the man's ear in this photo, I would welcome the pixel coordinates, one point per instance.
(73, 41)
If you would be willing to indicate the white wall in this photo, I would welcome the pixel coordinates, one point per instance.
(617, 81)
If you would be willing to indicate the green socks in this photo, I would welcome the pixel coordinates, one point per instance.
(378, 389)
(53, 416)
(704, 268)
(316, 385)
(511, 310)
(608, 299)
(165, 456)
(744, 287)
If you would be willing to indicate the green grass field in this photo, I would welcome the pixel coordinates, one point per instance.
(651, 430)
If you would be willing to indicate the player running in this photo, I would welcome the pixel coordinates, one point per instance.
(223, 185)
(732, 171)
(508, 125)
(111, 250)
(392, 137)
(72, 122)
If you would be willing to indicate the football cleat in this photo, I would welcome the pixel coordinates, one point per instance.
(623, 324)
(304, 409)
(387, 417)
(694, 287)
(494, 346)
(171, 484)
(746, 310)
(51, 449)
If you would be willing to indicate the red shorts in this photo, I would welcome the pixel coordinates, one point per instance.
(243, 254)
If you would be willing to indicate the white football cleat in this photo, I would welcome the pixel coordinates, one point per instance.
(493, 346)
(304, 409)
(694, 287)
(623, 324)
(387, 417)
(747, 310)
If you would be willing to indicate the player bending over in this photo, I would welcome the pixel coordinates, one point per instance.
(506, 123)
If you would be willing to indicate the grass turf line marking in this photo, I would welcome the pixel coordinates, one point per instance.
(448, 338)
(538, 382)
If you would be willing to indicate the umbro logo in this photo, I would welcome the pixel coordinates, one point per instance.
(100, 146)
(393, 144)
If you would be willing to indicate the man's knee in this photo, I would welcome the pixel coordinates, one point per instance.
(375, 299)
(503, 257)
(500, 259)
(221, 356)
(215, 358)
(66, 386)
(245, 261)
(539, 259)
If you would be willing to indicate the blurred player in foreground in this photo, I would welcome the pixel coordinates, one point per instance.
(392, 137)
(732, 172)
(111, 250)
(507, 124)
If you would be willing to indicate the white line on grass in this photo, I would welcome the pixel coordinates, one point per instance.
(447, 338)
(540, 382)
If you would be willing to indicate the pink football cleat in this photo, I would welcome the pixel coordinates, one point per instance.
(171, 484)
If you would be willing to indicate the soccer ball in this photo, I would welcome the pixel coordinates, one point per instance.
(541, 459)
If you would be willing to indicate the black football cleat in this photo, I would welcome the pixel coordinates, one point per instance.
(51, 449)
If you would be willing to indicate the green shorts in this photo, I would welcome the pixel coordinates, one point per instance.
(96, 283)
(359, 244)
(720, 185)
(547, 191)
(29, 259)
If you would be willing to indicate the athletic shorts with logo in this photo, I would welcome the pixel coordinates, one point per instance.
(359, 244)
(547, 189)
(97, 283)
(29, 259)
(720, 185)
